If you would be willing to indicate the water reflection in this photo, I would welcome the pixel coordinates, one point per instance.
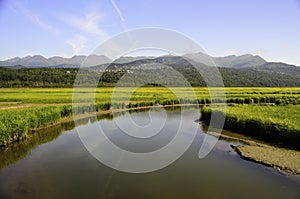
(19, 150)
(62, 168)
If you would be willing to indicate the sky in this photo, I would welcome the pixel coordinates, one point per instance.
(268, 28)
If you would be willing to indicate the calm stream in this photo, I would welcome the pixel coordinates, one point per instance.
(55, 164)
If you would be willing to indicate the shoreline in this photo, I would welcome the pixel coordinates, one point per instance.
(18, 149)
(274, 130)
(86, 116)
(257, 151)
(278, 158)
(281, 159)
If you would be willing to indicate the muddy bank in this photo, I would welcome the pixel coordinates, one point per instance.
(282, 159)
(278, 158)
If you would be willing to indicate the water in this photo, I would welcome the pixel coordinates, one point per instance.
(55, 164)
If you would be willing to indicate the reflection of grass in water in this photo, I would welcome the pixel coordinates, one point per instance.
(229, 136)
(19, 150)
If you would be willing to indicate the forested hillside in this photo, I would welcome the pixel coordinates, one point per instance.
(65, 77)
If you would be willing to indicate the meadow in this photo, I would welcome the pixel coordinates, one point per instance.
(36, 97)
(25, 109)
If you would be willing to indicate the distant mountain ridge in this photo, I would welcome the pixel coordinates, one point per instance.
(38, 61)
(242, 62)
(235, 71)
(231, 61)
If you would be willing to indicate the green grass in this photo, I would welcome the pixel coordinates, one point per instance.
(283, 115)
(57, 96)
(14, 124)
(272, 123)
(22, 109)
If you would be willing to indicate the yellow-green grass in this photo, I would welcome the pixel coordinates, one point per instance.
(58, 96)
(22, 109)
(284, 115)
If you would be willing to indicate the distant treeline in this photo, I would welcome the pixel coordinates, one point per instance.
(66, 77)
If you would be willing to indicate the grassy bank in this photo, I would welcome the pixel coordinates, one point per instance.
(15, 124)
(279, 124)
(25, 109)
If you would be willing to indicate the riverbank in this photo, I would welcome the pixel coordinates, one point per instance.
(17, 150)
(280, 151)
(17, 124)
(278, 125)
(282, 159)
(24, 109)
(60, 160)
(278, 158)
(254, 151)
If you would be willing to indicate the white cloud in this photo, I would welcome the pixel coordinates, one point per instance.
(89, 24)
(77, 43)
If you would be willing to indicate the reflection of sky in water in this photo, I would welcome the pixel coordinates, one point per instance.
(160, 125)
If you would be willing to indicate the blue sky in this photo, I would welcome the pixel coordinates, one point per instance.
(269, 28)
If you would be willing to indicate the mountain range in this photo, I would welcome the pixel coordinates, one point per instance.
(246, 61)
(38, 61)
(244, 70)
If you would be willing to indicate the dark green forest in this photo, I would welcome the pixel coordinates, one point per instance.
(66, 77)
